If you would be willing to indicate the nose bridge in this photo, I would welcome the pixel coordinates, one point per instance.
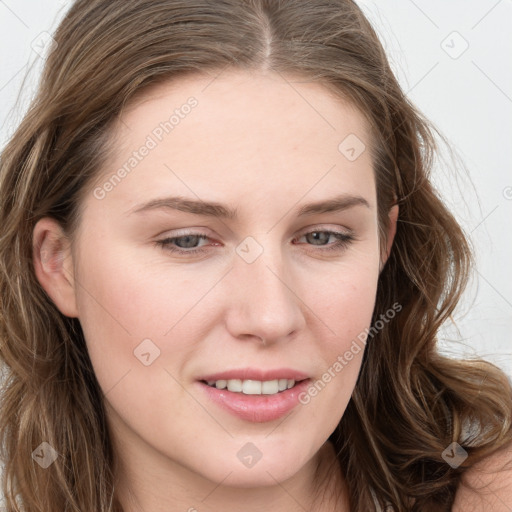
(263, 304)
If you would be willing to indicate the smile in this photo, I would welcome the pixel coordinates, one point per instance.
(255, 395)
(253, 387)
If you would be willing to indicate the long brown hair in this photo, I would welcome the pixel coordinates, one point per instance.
(409, 404)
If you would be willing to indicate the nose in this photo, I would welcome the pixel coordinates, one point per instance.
(264, 303)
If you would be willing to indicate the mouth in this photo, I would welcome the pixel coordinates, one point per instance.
(255, 396)
(253, 387)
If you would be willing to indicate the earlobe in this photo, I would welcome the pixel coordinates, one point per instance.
(53, 264)
(392, 223)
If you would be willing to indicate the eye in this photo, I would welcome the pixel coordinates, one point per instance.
(186, 244)
(342, 239)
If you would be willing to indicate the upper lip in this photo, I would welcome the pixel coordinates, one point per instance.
(256, 374)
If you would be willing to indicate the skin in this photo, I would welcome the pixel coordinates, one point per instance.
(256, 143)
(487, 485)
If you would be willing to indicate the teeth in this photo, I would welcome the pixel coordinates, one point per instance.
(253, 387)
(220, 384)
(235, 385)
(270, 387)
(283, 384)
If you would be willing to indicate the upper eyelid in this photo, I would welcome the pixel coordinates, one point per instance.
(349, 234)
(206, 231)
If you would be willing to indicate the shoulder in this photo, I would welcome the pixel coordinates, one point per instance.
(487, 485)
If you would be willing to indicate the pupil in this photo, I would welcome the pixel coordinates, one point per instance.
(317, 235)
(187, 237)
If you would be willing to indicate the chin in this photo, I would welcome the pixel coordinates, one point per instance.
(256, 463)
(259, 476)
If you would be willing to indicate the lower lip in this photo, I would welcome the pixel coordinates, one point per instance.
(256, 408)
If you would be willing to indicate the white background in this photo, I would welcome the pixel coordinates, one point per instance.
(467, 94)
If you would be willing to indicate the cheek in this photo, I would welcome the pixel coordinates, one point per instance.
(120, 305)
(345, 300)
(345, 305)
(135, 311)
(120, 289)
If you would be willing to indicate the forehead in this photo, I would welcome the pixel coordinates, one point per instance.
(307, 107)
(221, 135)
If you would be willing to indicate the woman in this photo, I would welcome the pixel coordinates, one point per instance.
(223, 272)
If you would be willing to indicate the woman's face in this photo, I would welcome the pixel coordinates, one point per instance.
(204, 254)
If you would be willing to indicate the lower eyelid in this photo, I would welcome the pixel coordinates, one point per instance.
(342, 240)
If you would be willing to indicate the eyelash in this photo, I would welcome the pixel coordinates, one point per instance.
(343, 241)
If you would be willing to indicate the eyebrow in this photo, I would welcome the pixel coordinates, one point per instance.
(214, 209)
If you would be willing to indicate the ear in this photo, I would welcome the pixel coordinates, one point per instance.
(391, 231)
(53, 264)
